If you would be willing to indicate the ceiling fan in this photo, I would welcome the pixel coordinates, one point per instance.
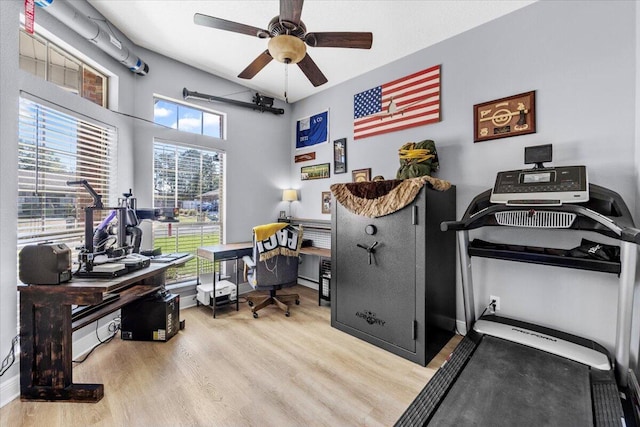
(287, 36)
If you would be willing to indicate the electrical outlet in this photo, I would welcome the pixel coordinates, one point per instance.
(497, 300)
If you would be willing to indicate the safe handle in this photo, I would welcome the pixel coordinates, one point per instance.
(370, 249)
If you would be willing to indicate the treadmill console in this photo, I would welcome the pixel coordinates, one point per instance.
(542, 186)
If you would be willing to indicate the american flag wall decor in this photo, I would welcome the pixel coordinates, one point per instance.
(410, 101)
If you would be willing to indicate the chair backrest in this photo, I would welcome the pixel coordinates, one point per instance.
(276, 258)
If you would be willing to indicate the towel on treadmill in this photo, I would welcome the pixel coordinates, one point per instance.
(277, 239)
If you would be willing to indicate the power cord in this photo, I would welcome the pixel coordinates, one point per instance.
(113, 328)
(11, 357)
(492, 304)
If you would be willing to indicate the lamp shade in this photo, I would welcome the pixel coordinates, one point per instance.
(289, 195)
(287, 49)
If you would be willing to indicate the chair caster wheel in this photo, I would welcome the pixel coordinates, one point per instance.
(255, 315)
(287, 314)
(297, 302)
(250, 303)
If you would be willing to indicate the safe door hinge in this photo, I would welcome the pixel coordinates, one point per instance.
(414, 329)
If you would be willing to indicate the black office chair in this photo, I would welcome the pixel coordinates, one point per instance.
(274, 266)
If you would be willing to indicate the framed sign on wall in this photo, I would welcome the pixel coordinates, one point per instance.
(510, 116)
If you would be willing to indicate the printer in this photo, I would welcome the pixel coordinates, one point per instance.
(226, 291)
(45, 264)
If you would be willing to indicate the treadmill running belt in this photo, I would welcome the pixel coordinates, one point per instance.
(508, 384)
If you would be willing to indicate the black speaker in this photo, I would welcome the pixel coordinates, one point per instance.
(152, 318)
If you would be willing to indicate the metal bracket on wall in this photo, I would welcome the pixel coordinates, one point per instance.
(259, 100)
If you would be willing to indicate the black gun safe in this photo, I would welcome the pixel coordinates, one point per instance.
(393, 276)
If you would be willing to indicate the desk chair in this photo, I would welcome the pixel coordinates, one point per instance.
(273, 266)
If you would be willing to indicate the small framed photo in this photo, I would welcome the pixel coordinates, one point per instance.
(319, 171)
(361, 175)
(283, 214)
(326, 202)
(340, 155)
(510, 116)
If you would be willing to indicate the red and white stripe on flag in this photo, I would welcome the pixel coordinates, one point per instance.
(410, 101)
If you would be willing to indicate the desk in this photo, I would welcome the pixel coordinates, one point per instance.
(235, 251)
(225, 252)
(46, 330)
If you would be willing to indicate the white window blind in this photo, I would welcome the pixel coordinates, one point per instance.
(56, 147)
(190, 179)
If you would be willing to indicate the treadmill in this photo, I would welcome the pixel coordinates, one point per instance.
(507, 372)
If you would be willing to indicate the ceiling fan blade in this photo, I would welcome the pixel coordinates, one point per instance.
(311, 70)
(290, 11)
(223, 24)
(258, 64)
(340, 39)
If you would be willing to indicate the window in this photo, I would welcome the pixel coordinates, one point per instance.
(191, 180)
(44, 59)
(53, 148)
(188, 118)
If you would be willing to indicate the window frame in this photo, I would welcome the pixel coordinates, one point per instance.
(222, 116)
(84, 67)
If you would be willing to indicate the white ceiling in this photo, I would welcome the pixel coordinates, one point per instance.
(399, 27)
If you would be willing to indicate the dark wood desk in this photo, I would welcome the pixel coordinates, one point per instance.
(46, 329)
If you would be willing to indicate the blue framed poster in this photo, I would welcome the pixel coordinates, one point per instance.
(312, 130)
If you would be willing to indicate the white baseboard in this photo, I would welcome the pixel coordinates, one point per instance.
(461, 327)
(9, 389)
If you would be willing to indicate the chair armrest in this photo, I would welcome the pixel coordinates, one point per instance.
(248, 261)
(249, 264)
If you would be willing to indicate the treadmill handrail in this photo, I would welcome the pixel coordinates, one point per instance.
(621, 228)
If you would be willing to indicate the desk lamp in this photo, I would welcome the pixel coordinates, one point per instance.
(289, 196)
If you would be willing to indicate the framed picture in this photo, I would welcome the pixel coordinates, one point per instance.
(305, 157)
(326, 202)
(340, 155)
(361, 175)
(510, 116)
(314, 172)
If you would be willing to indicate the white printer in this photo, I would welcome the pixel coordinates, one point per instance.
(226, 291)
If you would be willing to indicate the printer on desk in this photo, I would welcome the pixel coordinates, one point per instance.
(45, 264)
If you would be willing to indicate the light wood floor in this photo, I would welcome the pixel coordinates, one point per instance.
(239, 371)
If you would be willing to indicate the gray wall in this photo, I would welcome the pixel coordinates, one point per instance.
(580, 58)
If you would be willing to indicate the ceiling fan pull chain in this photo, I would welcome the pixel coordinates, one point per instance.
(286, 82)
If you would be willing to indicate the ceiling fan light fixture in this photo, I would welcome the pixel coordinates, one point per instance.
(287, 49)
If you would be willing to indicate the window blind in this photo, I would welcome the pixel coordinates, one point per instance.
(190, 179)
(55, 147)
